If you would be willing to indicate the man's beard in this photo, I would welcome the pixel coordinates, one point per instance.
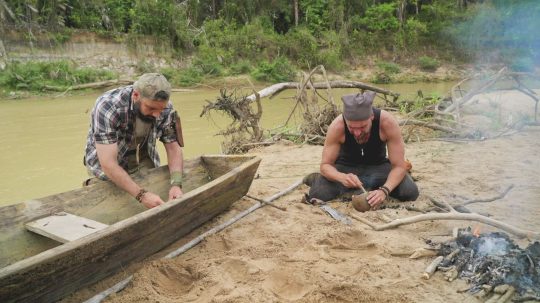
(362, 138)
(137, 110)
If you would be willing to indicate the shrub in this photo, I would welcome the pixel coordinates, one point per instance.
(35, 76)
(279, 70)
(241, 67)
(209, 60)
(330, 51)
(188, 77)
(381, 78)
(389, 68)
(300, 46)
(428, 63)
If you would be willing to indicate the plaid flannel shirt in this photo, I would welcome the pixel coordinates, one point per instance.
(112, 121)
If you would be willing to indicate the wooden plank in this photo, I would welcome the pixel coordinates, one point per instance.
(64, 227)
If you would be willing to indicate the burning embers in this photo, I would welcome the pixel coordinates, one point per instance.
(488, 261)
(492, 263)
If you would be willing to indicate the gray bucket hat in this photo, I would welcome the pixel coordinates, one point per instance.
(153, 86)
(358, 107)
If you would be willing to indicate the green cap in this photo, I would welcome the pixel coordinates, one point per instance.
(153, 86)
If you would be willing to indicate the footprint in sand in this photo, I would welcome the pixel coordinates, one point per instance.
(173, 280)
(238, 269)
(287, 285)
(351, 239)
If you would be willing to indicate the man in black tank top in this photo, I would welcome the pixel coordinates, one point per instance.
(355, 155)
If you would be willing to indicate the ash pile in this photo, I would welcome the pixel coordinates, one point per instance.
(494, 266)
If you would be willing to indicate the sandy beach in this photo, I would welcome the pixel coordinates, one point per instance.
(304, 255)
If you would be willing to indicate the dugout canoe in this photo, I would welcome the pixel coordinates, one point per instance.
(34, 268)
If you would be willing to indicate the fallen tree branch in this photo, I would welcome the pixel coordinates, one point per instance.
(275, 89)
(476, 90)
(520, 233)
(429, 125)
(500, 196)
(93, 85)
(432, 267)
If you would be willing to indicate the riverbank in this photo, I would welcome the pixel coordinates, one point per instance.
(303, 255)
(30, 84)
(47, 70)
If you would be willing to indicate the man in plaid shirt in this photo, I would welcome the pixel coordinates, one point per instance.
(125, 124)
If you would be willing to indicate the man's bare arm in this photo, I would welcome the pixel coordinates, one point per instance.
(332, 145)
(107, 155)
(396, 151)
(174, 156)
(176, 164)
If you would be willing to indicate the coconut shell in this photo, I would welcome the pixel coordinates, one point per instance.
(360, 203)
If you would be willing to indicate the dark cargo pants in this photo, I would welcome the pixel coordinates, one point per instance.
(372, 176)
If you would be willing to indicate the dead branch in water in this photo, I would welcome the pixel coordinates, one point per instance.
(245, 128)
(315, 118)
(244, 132)
(93, 85)
(275, 89)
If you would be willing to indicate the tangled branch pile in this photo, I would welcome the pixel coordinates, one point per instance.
(477, 108)
(245, 128)
(317, 111)
(316, 117)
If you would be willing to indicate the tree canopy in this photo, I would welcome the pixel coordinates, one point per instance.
(306, 32)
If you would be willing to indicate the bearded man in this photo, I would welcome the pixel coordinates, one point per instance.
(354, 155)
(125, 124)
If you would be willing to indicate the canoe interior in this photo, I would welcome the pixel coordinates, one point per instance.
(102, 202)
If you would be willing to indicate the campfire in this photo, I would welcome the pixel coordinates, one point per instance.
(494, 266)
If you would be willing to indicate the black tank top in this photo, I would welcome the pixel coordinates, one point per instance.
(372, 152)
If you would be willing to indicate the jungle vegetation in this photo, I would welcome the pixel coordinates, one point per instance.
(270, 38)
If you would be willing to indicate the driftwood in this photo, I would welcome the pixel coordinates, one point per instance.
(93, 85)
(275, 89)
(432, 267)
(483, 87)
(104, 84)
(461, 207)
(500, 196)
(429, 125)
(520, 233)
(476, 90)
(245, 127)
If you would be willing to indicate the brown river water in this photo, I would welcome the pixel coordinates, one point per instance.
(42, 139)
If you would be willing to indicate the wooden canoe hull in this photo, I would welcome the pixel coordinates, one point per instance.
(59, 271)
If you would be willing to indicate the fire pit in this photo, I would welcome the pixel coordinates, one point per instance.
(492, 263)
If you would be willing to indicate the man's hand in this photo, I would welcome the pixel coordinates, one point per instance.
(376, 198)
(351, 181)
(175, 192)
(151, 200)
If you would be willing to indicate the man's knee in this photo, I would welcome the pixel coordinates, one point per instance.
(411, 195)
(323, 194)
(406, 192)
(323, 189)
